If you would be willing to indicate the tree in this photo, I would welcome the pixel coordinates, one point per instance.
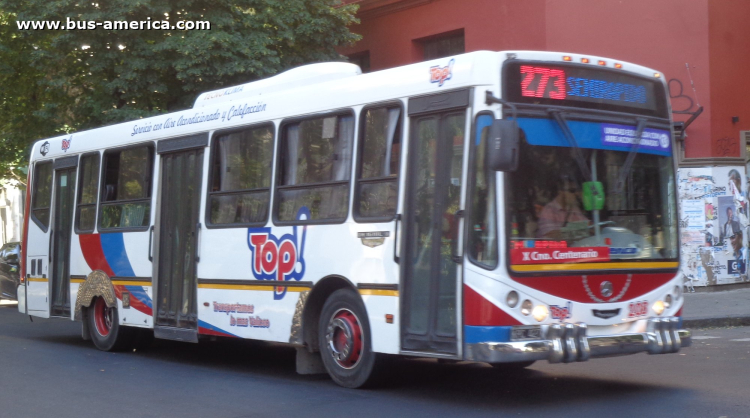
(59, 81)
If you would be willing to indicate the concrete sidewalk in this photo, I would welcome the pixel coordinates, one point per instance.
(717, 309)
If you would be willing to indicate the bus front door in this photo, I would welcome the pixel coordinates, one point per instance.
(176, 315)
(430, 276)
(62, 227)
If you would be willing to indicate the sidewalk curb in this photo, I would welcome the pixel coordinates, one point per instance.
(716, 322)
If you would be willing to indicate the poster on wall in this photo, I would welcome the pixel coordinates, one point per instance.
(714, 214)
(695, 212)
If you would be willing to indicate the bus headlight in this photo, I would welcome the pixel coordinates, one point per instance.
(512, 299)
(667, 301)
(540, 313)
(526, 307)
(658, 307)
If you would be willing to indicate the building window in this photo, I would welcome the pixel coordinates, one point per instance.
(443, 45)
(87, 192)
(379, 152)
(241, 177)
(40, 205)
(314, 169)
(362, 59)
(126, 195)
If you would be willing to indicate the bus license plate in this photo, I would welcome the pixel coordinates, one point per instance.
(526, 333)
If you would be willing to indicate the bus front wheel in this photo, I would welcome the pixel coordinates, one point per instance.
(104, 327)
(344, 340)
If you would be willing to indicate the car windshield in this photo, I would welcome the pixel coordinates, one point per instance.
(585, 195)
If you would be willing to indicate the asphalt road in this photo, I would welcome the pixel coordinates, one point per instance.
(49, 371)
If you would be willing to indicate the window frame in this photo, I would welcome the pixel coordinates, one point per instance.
(469, 205)
(210, 179)
(102, 179)
(358, 163)
(32, 215)
(76, 229)
(281, 142)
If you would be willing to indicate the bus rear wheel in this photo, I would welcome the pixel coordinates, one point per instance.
(104, 327)
(344, 340)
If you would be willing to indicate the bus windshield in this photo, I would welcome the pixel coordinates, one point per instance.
(579, 200)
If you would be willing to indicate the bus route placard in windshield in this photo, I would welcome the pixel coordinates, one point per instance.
(583, 86)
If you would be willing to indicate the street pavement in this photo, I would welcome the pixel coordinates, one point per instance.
(49, 371)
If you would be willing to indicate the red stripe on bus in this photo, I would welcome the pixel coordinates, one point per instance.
(91, 246)
(588, 288)
(480, 311)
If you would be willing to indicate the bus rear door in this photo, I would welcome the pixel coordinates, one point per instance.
(176, 315)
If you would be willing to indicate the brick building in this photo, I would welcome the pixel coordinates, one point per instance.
(700, 43)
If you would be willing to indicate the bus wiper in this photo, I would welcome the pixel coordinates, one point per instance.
(625, 172)
(568, 134)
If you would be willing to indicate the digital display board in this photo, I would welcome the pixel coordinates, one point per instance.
(583, 86)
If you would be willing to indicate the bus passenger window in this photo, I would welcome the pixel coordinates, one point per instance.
(87, 192)
(126, 195)
(42, 194)
(314, 169)
(379, 152)
(241, 177)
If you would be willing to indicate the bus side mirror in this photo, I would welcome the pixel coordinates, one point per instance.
(504, 145)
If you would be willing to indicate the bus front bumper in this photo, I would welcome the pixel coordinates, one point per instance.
(567, 343)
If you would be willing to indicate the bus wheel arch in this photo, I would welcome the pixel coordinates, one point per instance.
(96, 285)
(314, 307)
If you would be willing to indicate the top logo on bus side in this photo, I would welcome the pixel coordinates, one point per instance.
(440, 74)
(278, 258)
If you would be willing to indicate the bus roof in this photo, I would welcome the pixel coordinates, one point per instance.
(301, 91)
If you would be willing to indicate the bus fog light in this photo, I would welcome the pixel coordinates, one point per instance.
(668, 301)
(526, 307)
(658, 307)
(540, 313)
(512, 299)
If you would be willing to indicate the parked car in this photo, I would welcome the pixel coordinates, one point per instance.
(10, 256)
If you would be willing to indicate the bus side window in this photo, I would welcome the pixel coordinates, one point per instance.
(87, 193)
(241, 177)
(126, 197)
(314, 169)
(482, 245)
(40, 205)
(376, 192)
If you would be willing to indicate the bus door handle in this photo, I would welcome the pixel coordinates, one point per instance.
(150, 240)
(396, 244)
(198, 242)
(457, 258)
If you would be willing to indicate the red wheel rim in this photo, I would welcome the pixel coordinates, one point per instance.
(103, 317)
(344, 338)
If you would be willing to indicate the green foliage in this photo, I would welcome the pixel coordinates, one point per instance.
(54, 82)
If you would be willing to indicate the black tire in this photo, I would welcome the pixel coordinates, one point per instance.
(344, 340)
(105, 330)
(513, 366)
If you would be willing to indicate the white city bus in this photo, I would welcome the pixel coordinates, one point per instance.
(498, 207)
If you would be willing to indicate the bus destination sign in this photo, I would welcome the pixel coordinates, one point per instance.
(582, 86)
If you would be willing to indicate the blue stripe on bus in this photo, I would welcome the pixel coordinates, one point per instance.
(480, 334)
(113, 246)
(587, 134)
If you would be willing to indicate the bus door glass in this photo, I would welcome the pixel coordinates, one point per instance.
(180, 188)
(62, 227)
(432, 228)
(38, 240)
